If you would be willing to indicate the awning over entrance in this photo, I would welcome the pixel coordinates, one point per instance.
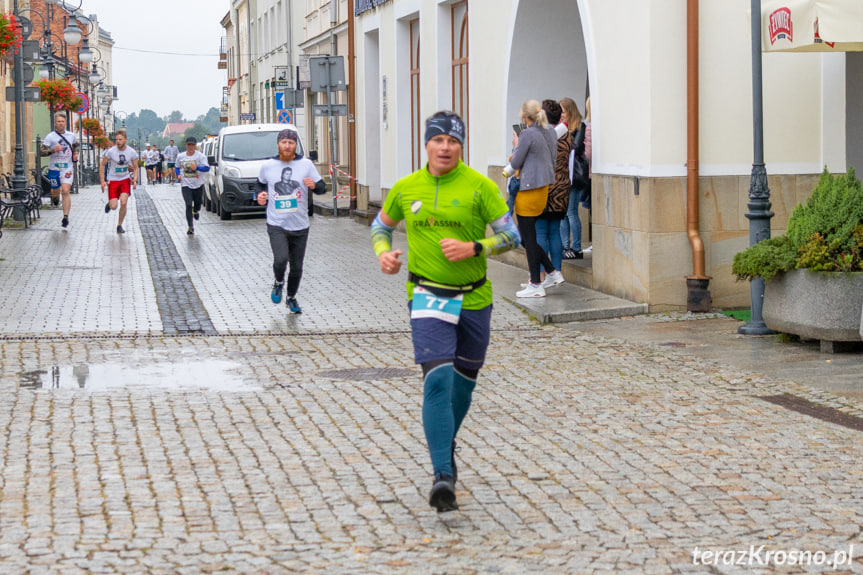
(812, 25)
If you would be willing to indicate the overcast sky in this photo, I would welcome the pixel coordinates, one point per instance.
(187, 79)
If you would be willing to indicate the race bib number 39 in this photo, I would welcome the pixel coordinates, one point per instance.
(286, 204)
(428, 305)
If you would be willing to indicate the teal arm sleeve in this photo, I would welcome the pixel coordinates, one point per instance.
(382, 236)
(505, 238)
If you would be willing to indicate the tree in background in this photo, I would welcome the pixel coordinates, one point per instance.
(152, 126)
(210, 121)
(198, 131)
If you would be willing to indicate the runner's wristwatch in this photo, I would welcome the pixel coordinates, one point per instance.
(477, 249)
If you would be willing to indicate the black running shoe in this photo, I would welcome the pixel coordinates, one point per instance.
(442, 495)
(196, 215)
(120, 230)
(55, 202)
(108, 208)
(65, 222)
(190, 232)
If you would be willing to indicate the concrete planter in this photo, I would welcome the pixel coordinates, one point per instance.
(827, 306)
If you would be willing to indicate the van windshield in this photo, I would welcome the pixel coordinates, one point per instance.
(250, 146)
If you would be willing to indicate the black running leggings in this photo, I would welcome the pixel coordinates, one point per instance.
(193, 198)
(536, 256)
(289, 248)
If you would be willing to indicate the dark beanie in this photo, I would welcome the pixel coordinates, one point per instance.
(446, 123)
(287, 134)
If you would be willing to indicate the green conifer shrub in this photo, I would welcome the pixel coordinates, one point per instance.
(824, 234)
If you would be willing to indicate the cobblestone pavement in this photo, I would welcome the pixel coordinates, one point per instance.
(293, 443)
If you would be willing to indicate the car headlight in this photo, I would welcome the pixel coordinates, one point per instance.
(231, 172)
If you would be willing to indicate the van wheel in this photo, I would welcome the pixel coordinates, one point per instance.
(225, 215)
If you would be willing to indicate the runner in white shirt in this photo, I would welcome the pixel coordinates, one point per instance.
(62, 147)
(171, 153)
(284, 184)
(190, 168)
(122, 162)
(150, 163)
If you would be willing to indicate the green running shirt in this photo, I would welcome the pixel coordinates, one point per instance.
(457, 205)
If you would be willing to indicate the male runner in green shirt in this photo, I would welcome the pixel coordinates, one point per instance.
(446, 207)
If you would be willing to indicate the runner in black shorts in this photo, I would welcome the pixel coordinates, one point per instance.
(450, 297)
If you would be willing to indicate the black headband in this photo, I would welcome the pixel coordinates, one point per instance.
(449, 125)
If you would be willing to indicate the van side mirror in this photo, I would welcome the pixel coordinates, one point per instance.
(313, 155)
(212, 161)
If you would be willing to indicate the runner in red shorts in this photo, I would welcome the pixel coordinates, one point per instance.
(122, 162)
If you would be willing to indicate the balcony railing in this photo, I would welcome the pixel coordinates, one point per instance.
(365, 5)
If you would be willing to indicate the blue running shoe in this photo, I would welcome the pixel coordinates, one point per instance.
(294, 306)
(276, 296)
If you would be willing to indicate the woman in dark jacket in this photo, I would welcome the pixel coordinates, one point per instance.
(533, 156)
(548, 224)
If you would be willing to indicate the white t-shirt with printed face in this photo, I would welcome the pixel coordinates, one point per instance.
(287, 195)
(62, 160)
(120, 162)
(189, 176)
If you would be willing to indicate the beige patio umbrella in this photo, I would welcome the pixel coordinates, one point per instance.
(812, 25)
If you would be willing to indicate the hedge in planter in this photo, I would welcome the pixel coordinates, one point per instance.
(806, 292)
(824, 234)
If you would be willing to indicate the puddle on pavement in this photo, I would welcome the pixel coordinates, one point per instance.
(210, 375)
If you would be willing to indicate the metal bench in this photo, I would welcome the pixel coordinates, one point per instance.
(29, 206)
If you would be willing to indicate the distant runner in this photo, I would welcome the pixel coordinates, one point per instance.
(62, 148)
(150, 163)
(160, 162)
(122, 162)
(171, 153)
(190, 168)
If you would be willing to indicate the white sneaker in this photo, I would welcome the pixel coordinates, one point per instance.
(588, 249)
(553, 279)
(531, 291)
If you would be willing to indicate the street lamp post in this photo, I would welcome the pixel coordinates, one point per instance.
(19, 180)
(759, 213)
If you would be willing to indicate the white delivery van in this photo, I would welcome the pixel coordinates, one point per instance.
(238, 154)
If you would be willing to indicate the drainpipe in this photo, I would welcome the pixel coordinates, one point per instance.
(352, 106)
(698, 295)
(252, 107)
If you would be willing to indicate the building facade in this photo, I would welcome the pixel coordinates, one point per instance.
(64, 62)
(238, 96)
(484, 58)
(326, 33)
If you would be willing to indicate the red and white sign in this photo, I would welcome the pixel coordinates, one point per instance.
(85, 103)
(781, 27)
(811, 25)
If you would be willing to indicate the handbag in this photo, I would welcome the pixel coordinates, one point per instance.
(579, 167)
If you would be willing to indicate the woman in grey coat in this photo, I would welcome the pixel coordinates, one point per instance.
(534, 155)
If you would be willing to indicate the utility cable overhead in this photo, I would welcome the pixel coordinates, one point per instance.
(241, 54)
(166, 53)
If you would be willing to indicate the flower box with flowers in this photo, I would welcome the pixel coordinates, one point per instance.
(10, 34)
(59, 94)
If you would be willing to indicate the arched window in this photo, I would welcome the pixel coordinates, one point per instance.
(460, 53)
